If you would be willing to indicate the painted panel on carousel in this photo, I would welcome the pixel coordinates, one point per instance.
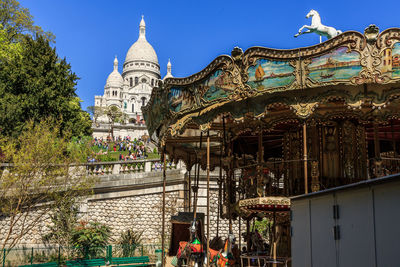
(156, 113)
(391, 61)
(270, 74)
(179, 99)
(217, 86)
(335, 66)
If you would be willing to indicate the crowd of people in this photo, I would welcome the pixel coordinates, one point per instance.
(128, 149)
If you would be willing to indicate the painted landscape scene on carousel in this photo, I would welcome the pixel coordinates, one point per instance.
(217, 86)
(391, 61)
(335, 66)
(270, 74)
(179, 99)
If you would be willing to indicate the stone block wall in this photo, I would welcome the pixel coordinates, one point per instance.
(142, 213)
(139, 209)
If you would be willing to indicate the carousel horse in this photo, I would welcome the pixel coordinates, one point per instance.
(191, 252)
(255, 241)
(225, 256)
(317, 27)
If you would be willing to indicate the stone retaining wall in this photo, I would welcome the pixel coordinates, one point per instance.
(134, 208)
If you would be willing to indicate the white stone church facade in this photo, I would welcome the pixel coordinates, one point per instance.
(130, 90)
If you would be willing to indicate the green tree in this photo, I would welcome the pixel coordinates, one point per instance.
(8, 50)
(95, 111)
(42, 173)
(63, 221)
(36, 85)
(17, 22)
(114, 115)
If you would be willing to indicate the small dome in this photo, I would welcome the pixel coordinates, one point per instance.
(141, 49)
(169, 70)
(115, 79)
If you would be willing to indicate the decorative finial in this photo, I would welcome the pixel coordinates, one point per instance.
(317, 27)
(237, 53)
(142, 28)
(115, 63)
(371, 33)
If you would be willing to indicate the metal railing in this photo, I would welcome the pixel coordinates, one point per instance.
(59, 254)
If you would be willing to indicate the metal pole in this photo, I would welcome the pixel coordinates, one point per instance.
(190, 190)
(219, 188)
(208, 198)
(4, 257)
(195, 195)
(240, 233)
(305, 157)
(163, 209)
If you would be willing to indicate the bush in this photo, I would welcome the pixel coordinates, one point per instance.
(155, 150)
(129, 241)
(90, 239)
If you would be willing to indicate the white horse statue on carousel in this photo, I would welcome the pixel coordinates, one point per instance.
(317, 27)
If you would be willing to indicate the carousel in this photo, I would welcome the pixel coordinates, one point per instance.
(281, 123)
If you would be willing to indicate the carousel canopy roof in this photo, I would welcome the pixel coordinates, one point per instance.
(353, 72)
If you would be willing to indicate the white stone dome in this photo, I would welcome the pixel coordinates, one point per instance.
(141, 50)
(115, 79)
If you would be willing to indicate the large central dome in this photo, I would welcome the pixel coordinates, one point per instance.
(141, 50)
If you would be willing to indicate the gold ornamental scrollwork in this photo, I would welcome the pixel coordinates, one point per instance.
(304, 110)
(277, 201)
(370, 60)
(239, 76)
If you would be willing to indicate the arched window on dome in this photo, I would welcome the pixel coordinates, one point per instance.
(152, 82)
(136, 80)
(144, 80)
(143, 101)
(130, 82)
(133, 107)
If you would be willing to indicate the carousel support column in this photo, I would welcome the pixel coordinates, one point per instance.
(240, 233)
(305, 157)
(377, 149)
(248, 239)
(208, 197)
(394, 148)
(219, 188)
(163, 209)
(230, 178)
(196, 187)
(260, 160)
(274, 241)
(190, 190)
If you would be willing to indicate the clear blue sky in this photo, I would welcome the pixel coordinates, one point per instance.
(192, 33)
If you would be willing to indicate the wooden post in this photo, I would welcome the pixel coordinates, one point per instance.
(163, 211)
(208, 198)
(305, 157)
